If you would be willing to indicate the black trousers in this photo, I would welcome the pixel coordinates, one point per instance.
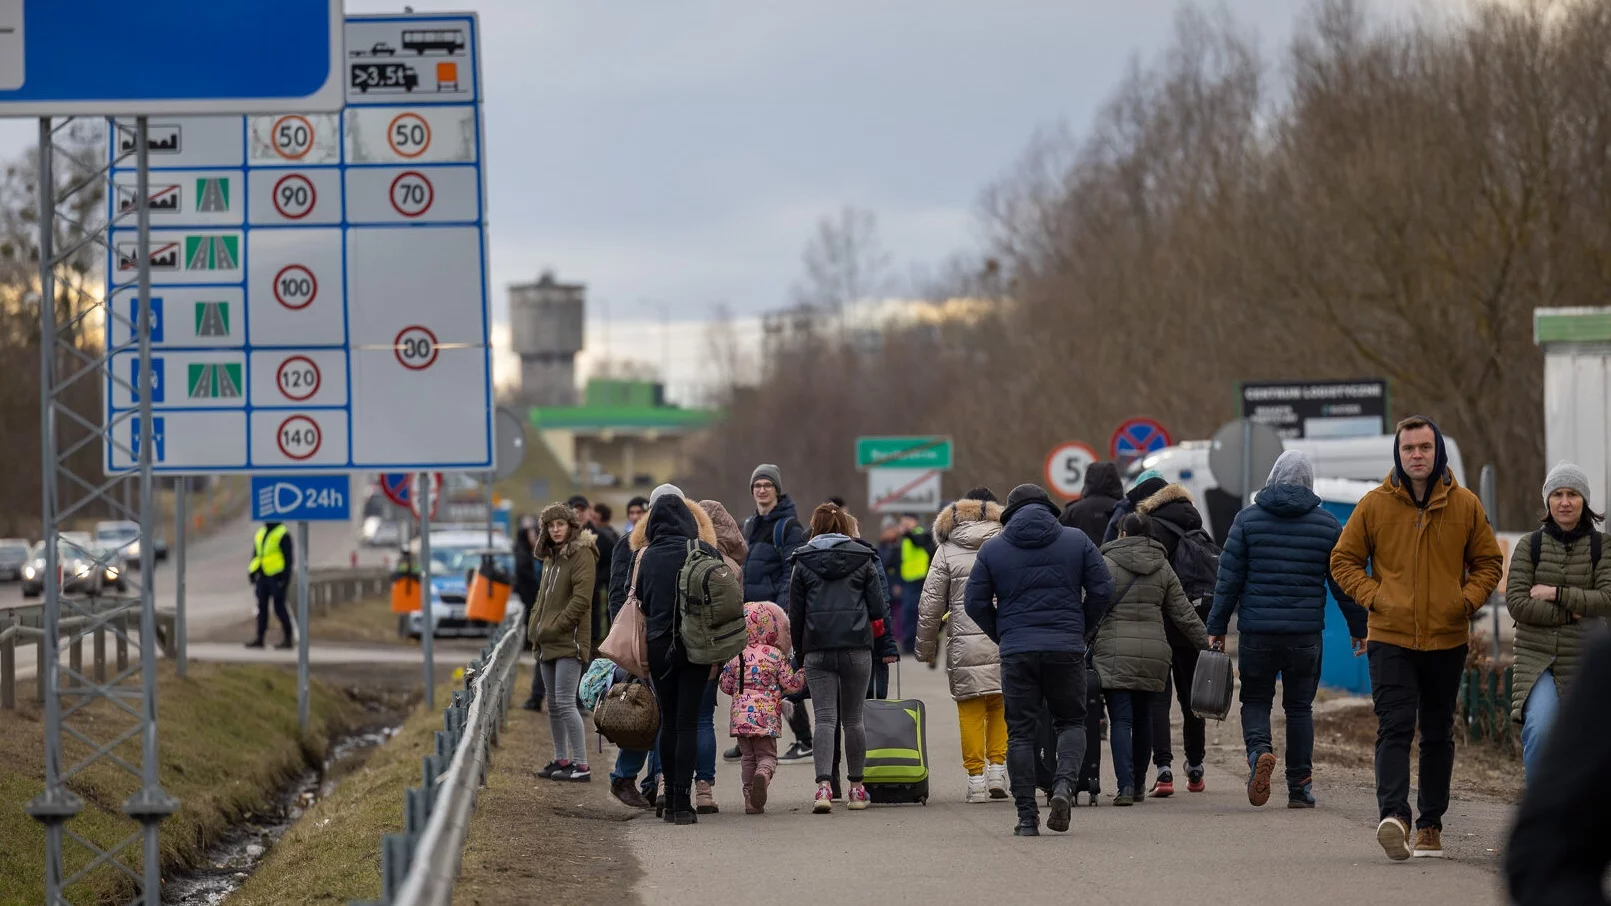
(1033, 681)
(272, 588)
(678, 687)
(527, 599)
(1408, 684)
(1182, 670)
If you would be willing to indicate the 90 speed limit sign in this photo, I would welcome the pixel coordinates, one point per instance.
(1066, 467)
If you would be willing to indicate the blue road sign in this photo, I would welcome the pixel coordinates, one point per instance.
(156, 316)
(1138, 437)
(158, 393)
(301, 498)
(159, 440)
(397, 487)
(117, 57)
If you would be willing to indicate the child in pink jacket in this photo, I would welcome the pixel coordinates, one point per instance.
(757, 680)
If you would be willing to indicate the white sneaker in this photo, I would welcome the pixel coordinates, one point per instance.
(996, 777)
(976, 789)
(1394, 837)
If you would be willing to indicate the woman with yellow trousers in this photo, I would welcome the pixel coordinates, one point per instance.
(972, 662)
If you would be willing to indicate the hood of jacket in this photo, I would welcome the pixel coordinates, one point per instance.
(1440, 466)
(1033, 526)
(697, 524)
(1140, 555)
(968, 523)
(1102, 480)
(577, 539)
(1145, 489)
(729, 538)
(1286, 500)
(765, 623)
(834, 556)
(1157, 500)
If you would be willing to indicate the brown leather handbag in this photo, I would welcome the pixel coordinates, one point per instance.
(628, 715)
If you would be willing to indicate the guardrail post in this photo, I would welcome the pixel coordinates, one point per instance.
(100, 653)
(122, 642)
(394, 853)
(8, 669)
(39, 659)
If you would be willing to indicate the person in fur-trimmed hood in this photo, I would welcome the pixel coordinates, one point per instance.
(1161, 502)
(561, 631)
(972, 661)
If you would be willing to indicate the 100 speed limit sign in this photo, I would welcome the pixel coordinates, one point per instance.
(1066, 468)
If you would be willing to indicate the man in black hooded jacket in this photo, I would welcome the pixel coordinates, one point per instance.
(1102, 492)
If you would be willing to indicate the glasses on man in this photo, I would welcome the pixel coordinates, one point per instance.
(763, 486)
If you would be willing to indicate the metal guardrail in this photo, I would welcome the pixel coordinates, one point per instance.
(420, 866)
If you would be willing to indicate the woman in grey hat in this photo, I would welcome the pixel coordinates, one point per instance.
(1558, 592)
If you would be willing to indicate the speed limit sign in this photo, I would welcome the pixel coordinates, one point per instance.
(1066, 468)
(415, 347)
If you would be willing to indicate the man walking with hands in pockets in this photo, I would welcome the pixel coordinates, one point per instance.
(1432, 562)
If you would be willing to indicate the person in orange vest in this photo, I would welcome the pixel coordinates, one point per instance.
(273, 553)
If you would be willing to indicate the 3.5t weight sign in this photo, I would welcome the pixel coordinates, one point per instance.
(292, 137)
(298, 378)
(295, 287)
(416, 348)
(299, 437)
(412, 193)
(294, 196)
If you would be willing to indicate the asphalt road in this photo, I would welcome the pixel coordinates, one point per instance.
(1209, 847)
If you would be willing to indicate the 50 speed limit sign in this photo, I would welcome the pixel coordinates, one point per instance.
(1066, 467)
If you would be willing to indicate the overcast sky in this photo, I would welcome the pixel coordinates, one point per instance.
(680, 153)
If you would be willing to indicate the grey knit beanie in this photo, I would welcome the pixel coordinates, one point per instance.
(1567, 475)
(662, 491)
(770, 472)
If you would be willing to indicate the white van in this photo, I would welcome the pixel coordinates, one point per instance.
(1367, 459)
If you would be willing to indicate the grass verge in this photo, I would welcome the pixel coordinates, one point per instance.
(228, 743)
(369, 621)
(522, 846)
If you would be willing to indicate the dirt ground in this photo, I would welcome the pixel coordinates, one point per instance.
(369, 621)
(534, 840)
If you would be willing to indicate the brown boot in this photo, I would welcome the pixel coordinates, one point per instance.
(704, 798)
(626, 790)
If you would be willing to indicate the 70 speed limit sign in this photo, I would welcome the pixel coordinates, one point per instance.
(1066, 467)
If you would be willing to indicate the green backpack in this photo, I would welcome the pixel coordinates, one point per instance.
(710, 602)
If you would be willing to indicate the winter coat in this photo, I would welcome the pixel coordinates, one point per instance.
(761, 674)
(561, 620)
(1098, 499)
(729, 538)
(1037, 585)
(836, 596)
(1430, 569)
(972, 661)
(1276, 567)
(1550, 635)
(621, 560)
(663, 537)
(1130, 650)
(766, 566)
(526, 569)
(1173, 504)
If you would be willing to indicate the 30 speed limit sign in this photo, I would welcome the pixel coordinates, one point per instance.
(415, 347)
(1066, 468)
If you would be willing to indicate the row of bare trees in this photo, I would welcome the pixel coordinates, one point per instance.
(1384, 198)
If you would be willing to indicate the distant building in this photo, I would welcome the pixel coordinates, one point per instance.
(623, 436)
(546, 326)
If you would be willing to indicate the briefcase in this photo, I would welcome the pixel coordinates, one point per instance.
(1212, 686)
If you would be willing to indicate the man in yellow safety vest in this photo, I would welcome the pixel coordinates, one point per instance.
(270, 571)
(917, 549)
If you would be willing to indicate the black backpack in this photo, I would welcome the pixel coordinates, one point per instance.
(1595, 545)
(1196, 563)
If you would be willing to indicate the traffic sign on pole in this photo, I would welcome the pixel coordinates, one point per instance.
(903, 453)
(117, 58)
(1066, 466)
(335, 265)
(1137, 437)
(399, 487)
(903, 490)
(301, 498)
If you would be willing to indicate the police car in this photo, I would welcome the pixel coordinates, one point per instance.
(455, 554)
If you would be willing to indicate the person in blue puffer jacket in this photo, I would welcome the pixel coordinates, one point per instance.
(1275, 569)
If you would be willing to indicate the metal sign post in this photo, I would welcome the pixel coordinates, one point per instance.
(181, 495)
(425, 497)
(302, 625)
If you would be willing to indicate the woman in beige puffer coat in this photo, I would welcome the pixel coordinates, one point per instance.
(972, 661)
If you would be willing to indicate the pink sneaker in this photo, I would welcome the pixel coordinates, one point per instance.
(858, 798)
(823, 804)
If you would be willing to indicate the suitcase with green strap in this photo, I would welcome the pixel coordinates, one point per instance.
(897, 767)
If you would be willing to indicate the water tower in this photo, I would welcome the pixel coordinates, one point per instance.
(546, 320)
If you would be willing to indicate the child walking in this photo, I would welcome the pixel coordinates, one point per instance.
(757, 680)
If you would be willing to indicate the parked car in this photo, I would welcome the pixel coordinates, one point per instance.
(85, 568)
(454, 558)
(13, 557)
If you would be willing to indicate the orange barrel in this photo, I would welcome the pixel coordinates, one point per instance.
(406, 596)
(489, 592)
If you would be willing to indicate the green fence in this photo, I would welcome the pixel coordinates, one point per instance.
(1485, 705)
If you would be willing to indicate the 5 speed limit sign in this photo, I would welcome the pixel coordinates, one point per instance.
(415, 347)
(412, 193)
(1066, 467)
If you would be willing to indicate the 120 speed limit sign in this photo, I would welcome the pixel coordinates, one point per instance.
(1066, 468)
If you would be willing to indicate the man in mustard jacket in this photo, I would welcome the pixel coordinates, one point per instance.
(1433, 562)
(273, 552)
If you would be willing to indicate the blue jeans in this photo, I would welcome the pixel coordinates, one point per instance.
(1129, 735)
(630, 762)
(1296, 659)
(1538, 716)
(705, 766)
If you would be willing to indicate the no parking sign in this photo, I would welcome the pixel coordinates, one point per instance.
(1136, 437)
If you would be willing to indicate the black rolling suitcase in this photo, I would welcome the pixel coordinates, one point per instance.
(1211, 687)
(1091, 768)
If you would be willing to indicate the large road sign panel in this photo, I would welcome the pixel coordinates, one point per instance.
(1355, 408)
(1137, 437)
(903, 490)
(123, 58)
(301, 498)
(322, 276)
(903, 452)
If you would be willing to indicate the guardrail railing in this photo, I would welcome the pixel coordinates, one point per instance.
(419, 866)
